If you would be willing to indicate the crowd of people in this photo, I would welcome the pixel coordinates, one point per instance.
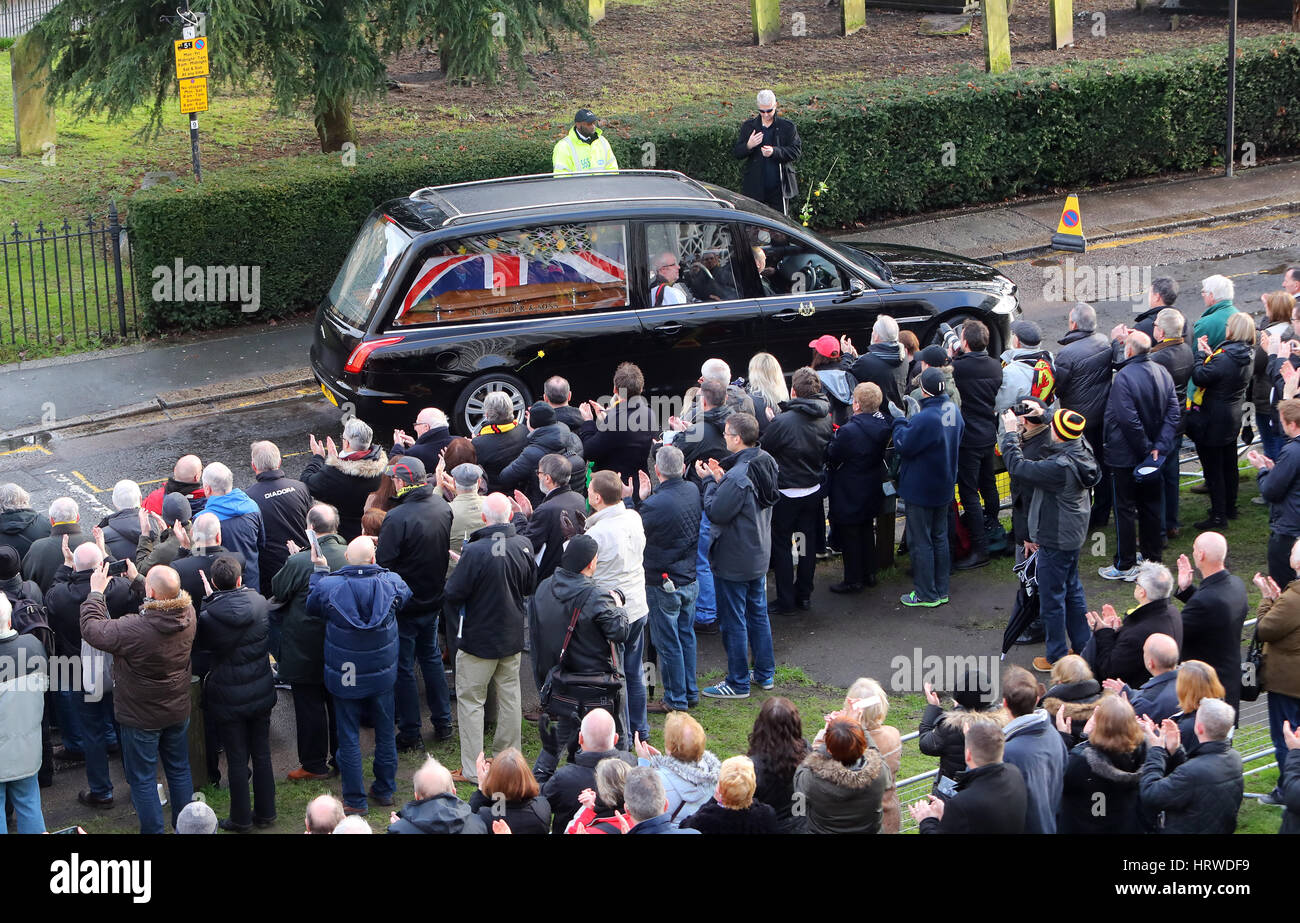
(600, 539)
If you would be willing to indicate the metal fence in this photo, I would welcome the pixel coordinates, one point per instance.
(18, 16)
(67, 286)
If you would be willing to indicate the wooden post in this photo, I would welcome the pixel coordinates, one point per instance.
(853, 16)
(1062, 23)
(766, 15)
(1295, 15)
(33, 114)
(595, 11)
(997, 37)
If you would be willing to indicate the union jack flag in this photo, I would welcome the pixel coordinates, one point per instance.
(479, 271)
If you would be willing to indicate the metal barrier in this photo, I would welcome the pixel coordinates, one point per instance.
(18, 16)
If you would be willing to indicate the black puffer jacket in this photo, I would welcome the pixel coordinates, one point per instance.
(345, 485)
(554, 438)
(413, 542)
(122, 533)
(943, 734)
(703, 440)
(883, 365)
(1090, 772)
(978, 376)
(671, 519)
(495, 447)
(797, 440)
(1202, 795)
(855, 468)
(1118, 654)
(989, 799)
(602, 622)
(1141, 413)
(1225, 379)
(622, 441)
(497, 571)
(232, 632)
(283, 503)
(69, 591)
(1083, 374)
(19, 528)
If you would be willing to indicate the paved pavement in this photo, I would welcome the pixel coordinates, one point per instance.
(264, 359)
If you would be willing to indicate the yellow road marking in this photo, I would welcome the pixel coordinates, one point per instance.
(82, 478)
(27, 448)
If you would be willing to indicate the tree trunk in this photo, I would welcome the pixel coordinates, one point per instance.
(334, 126)
(1295, 15)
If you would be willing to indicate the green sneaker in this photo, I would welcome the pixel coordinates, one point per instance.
(909, 599)
(942, 601)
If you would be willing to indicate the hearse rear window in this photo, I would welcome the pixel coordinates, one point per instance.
(532, 272)
(362, 275)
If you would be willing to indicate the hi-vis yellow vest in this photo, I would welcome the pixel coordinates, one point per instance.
(572, 155)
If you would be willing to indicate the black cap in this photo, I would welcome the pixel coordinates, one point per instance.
(541, 414)
(932, 382)
(407, 467)
(581, 551)
(174, 507)
(935, 356)
(9, 562)
(585, 115)
(1028, 332)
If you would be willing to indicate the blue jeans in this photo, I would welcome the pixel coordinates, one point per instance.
(348, 714)
(141, 751)
(634, 703)
(1271, 439)
(418, 643)
(1169, 472)
(97, 735)
(742, 620)
(1281, 708)
(927, 546)
(25, 796)
(672, 629)
(1062, 605)
(706, 601)
(65, 704)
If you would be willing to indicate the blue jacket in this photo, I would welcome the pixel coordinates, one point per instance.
(241, 529)
(927, 446)
(855, 468)
(671, 519)
(1157, 698)
(739, 508)
(359, 605)
(656, 825)
(1142, 412)
(1035, 748)
(1281, 488)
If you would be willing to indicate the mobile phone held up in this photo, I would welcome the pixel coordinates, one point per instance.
(117, 568)
(315, 543)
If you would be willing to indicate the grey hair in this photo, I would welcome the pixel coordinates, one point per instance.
(1171, 322)
(205, 528)
(716, 370)
(1220, 287)
(555, 467)
(13, 497)
(885, 330)
(670, 461)
(611, 778)
(86, 556)
(64, 509)
(218, 479)
(1216, 716)
(766, 98)
(1084, 316)
(323, 519)
(498, 408)
(126, 495)
(1167, 289)
(358, 434)
(432, 416)
(643, 793)
(1155, 579)
(496, 509)
(265, 455)
(351, 825)
(1138, 342)
(557, 390)
(432, 779)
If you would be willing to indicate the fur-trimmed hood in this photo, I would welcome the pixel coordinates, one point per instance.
(1111, 768)
(861, 775)
(373, 465)
(1080, 699)
(169, 615)
(703, 771)
(961, 719)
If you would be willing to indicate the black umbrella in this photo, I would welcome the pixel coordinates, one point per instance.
(1026, 608)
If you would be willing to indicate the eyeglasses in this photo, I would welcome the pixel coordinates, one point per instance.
(767, 111)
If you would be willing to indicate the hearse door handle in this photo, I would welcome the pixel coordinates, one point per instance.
(788, 314)
(669, 329)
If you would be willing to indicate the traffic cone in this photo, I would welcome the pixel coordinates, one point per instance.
(1069, 230)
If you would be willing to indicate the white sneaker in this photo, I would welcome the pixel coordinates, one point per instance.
(1114, 573)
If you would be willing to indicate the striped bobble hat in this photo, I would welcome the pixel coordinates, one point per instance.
(1068, 424)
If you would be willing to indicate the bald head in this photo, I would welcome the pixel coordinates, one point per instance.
(325, 811)
(432, 417)
(1160, 653)
(206, 530)
(496, 509)
(360, 551)
(188, 469)
(162, 582)
(1210, 551)
(86, 556)
(597, 734)
(432, 779)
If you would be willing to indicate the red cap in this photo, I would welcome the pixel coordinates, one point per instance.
(827, 345)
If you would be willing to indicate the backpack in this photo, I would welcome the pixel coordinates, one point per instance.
(30, 618)
(1044, 380)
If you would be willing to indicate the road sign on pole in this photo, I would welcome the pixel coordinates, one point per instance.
(193, 94)
(191, 58)
(192, 73)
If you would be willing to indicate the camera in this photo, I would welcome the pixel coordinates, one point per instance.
(1030, 412)
(117, 568)
(950, 338)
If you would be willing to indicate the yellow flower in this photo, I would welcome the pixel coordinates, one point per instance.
(805, 224)
(817, 192)
(541, 354)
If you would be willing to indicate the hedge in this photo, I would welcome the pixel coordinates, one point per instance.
(1023, 132)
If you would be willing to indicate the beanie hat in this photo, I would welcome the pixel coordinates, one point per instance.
(541, 414)
(932, 382)
(935, 356)
(1068, 424)
(581, 551)
(9, 562)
